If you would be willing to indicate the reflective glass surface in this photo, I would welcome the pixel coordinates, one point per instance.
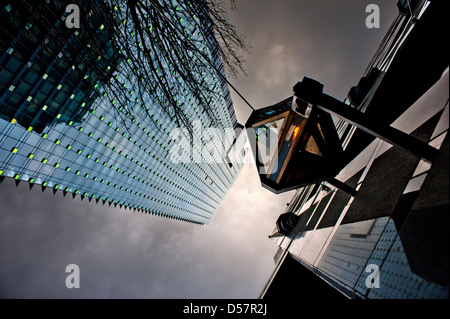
(72, 139)
(391, 239)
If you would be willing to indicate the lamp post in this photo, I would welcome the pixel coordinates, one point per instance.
(295, 142)
(309, 91)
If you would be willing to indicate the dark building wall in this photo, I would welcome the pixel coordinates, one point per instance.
(294, 281)
(418, 64)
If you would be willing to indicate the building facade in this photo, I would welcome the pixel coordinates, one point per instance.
(390, 240)
(60, 130)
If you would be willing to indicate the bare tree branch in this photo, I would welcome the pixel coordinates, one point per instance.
(159, 52)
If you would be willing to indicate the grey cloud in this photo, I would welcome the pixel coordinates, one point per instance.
(124, 254)
(325, 40)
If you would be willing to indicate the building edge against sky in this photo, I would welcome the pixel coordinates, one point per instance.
(398, 221)
(58, 131)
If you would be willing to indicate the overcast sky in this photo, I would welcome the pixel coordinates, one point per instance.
(123, 254)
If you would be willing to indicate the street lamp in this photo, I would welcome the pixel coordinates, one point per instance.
(295, 142)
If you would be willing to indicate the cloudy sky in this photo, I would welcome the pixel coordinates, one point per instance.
(123, 254)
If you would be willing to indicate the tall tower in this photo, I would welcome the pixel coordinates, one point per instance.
(59, 128)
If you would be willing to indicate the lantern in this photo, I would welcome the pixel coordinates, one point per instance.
(294, 143)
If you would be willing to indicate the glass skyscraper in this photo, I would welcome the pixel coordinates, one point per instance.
(59, 130)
